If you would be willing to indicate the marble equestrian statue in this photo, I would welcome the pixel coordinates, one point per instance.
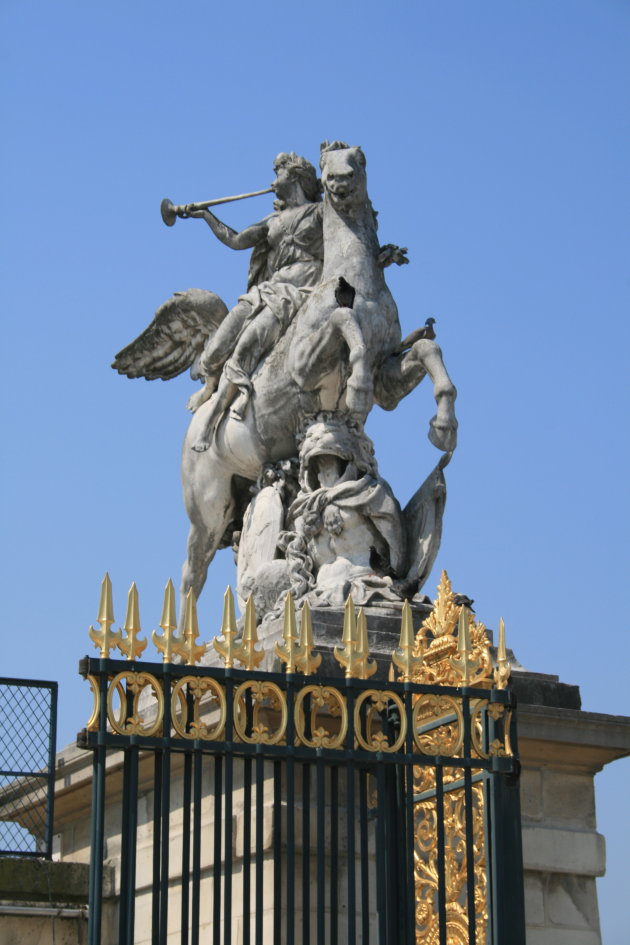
(275, 460)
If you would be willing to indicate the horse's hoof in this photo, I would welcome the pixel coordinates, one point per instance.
(443, 436)
(200, 446)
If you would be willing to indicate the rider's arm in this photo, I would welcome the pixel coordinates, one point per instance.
(247, 238)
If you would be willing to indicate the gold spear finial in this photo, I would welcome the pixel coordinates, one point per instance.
(355, 653)
(306, 662)
(168, 643)
(463, 663)
(403, 657)
(246, 653)
(287, 650)
(188, 648)
(503, 668)
(343, 654)
(132, 646)
(365, 666)
(104, 639)
(226, 647)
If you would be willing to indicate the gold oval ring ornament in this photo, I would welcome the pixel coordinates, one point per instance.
(321, 697)
(380, 702)
(438, 725)
(133, 723)
(203, 693)
(267, 700)
(92, 725)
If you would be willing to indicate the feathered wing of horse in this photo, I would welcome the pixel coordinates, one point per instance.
(335, 357)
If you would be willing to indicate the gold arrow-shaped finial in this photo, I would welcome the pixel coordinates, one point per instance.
(104, 639)
(355, 653)
(188, 648)
(503, 668)
(168, 643)
(463, 663)
(343, 654)
(306, 662)
(226, 647)
(403, 657)
(132, 646)
(246, 653)
(287, 650)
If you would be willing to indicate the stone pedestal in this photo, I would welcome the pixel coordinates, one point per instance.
(561, 750)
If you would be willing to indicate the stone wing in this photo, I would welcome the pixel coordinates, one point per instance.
(175, 338)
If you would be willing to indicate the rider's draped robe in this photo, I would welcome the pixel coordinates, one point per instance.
(281, 276)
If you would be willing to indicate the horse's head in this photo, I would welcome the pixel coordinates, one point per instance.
(343, 175)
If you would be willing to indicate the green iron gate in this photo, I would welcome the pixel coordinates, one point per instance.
(293, 807)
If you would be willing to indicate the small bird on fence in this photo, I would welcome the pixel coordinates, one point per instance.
(462, 600)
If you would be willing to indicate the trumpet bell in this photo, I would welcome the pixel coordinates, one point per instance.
(167, 210)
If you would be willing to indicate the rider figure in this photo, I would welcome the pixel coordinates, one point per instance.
(286, 263)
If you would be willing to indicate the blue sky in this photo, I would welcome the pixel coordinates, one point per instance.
(496, 136)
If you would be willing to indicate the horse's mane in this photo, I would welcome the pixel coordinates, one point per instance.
(327, 146)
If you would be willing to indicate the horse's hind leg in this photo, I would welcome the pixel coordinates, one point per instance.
(209, 517)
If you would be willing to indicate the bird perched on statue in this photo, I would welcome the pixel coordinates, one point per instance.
(344, 293)
(427, 331)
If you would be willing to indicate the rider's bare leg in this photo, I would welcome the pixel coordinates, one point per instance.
(218, 350)
(225, 394)
(255, 341)
(224, 340)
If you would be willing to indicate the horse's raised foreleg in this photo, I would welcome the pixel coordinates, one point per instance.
(317, 352)
(400, 373)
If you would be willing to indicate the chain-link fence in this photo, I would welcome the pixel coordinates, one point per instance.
(28, 733)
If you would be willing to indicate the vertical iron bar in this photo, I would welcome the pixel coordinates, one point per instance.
(185, 881)
(229, 785)
(247, 848)
(441, 850)
(124, 851)
(227, 876)
(468, 821)
(166, 810)
(350, 815)
(363, 856)
(98, 819)
(306, 852)
(52, 749)
(216, 864)
(129, 845)
(334, 854)
(196, 847)
(290, 924)
(410, 885)
(277, 851)
(506, 853)
(260, 853)
(321, 848)
(382, 884)
(157, 856)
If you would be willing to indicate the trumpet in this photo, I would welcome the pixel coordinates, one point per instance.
(171, 211)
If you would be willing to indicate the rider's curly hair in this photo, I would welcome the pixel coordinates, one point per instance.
(303, 171)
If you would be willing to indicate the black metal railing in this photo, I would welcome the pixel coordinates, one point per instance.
(304, 809)
(28, 736)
